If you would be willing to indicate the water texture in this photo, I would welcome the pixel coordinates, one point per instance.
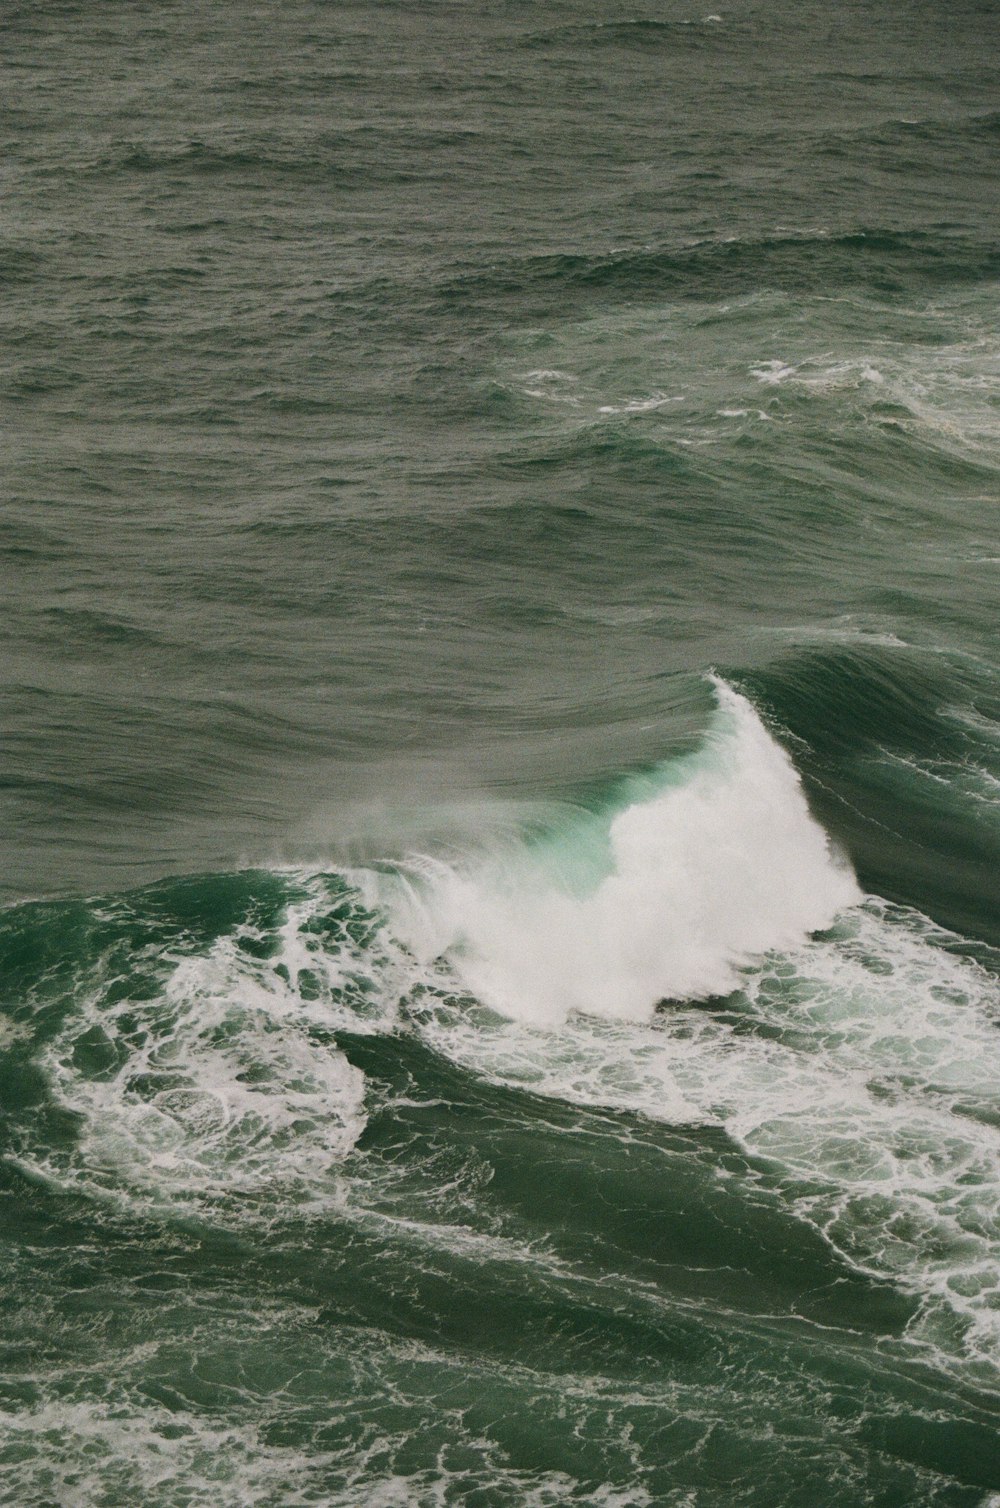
(500, 953)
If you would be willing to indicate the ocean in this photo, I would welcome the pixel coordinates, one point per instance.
(500, 943)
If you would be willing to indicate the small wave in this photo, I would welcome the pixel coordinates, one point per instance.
(873, 259)
(976, 128)
(946, 395)
(19, 264)
(644, 33)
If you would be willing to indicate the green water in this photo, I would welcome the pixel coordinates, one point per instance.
(500, 964)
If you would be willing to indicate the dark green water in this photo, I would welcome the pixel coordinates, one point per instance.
(501, 755)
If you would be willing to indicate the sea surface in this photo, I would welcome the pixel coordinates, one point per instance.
(500, 760)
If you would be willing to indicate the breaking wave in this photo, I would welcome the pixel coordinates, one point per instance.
(668, 899)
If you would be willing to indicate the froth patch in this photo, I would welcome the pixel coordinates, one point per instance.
(91, 1451)
(859, 1071)
(225, 1090)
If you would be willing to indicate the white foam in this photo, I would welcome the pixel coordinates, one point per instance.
(964, 778)
(11, 1032)
(933, 371)
(948, 391)
(224, 1085)
(640, 405)
(94, 1451)
(773, 372)
(987, 727)
(847, 629)
(820, 372)
(551, 384)
(719, 865)
(862, 1067)
(124, 1446)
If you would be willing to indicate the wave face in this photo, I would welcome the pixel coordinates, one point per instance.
(500, 760)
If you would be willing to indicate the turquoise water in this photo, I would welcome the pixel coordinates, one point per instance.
(501, 761)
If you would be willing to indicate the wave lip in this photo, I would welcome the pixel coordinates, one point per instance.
(722, 863)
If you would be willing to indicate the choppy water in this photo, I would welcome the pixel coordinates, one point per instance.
(501, 755)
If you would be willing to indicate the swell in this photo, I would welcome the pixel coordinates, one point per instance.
(639, 33)
(879, 260)
(367, 157)
(899, 748)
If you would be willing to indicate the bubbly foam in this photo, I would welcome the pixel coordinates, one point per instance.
(225, 1085)
(933, 372)
(949, 392)
(861, 1069)
(92, 1451)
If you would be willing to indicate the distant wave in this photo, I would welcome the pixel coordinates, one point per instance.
(640, 32)
(879, 259)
